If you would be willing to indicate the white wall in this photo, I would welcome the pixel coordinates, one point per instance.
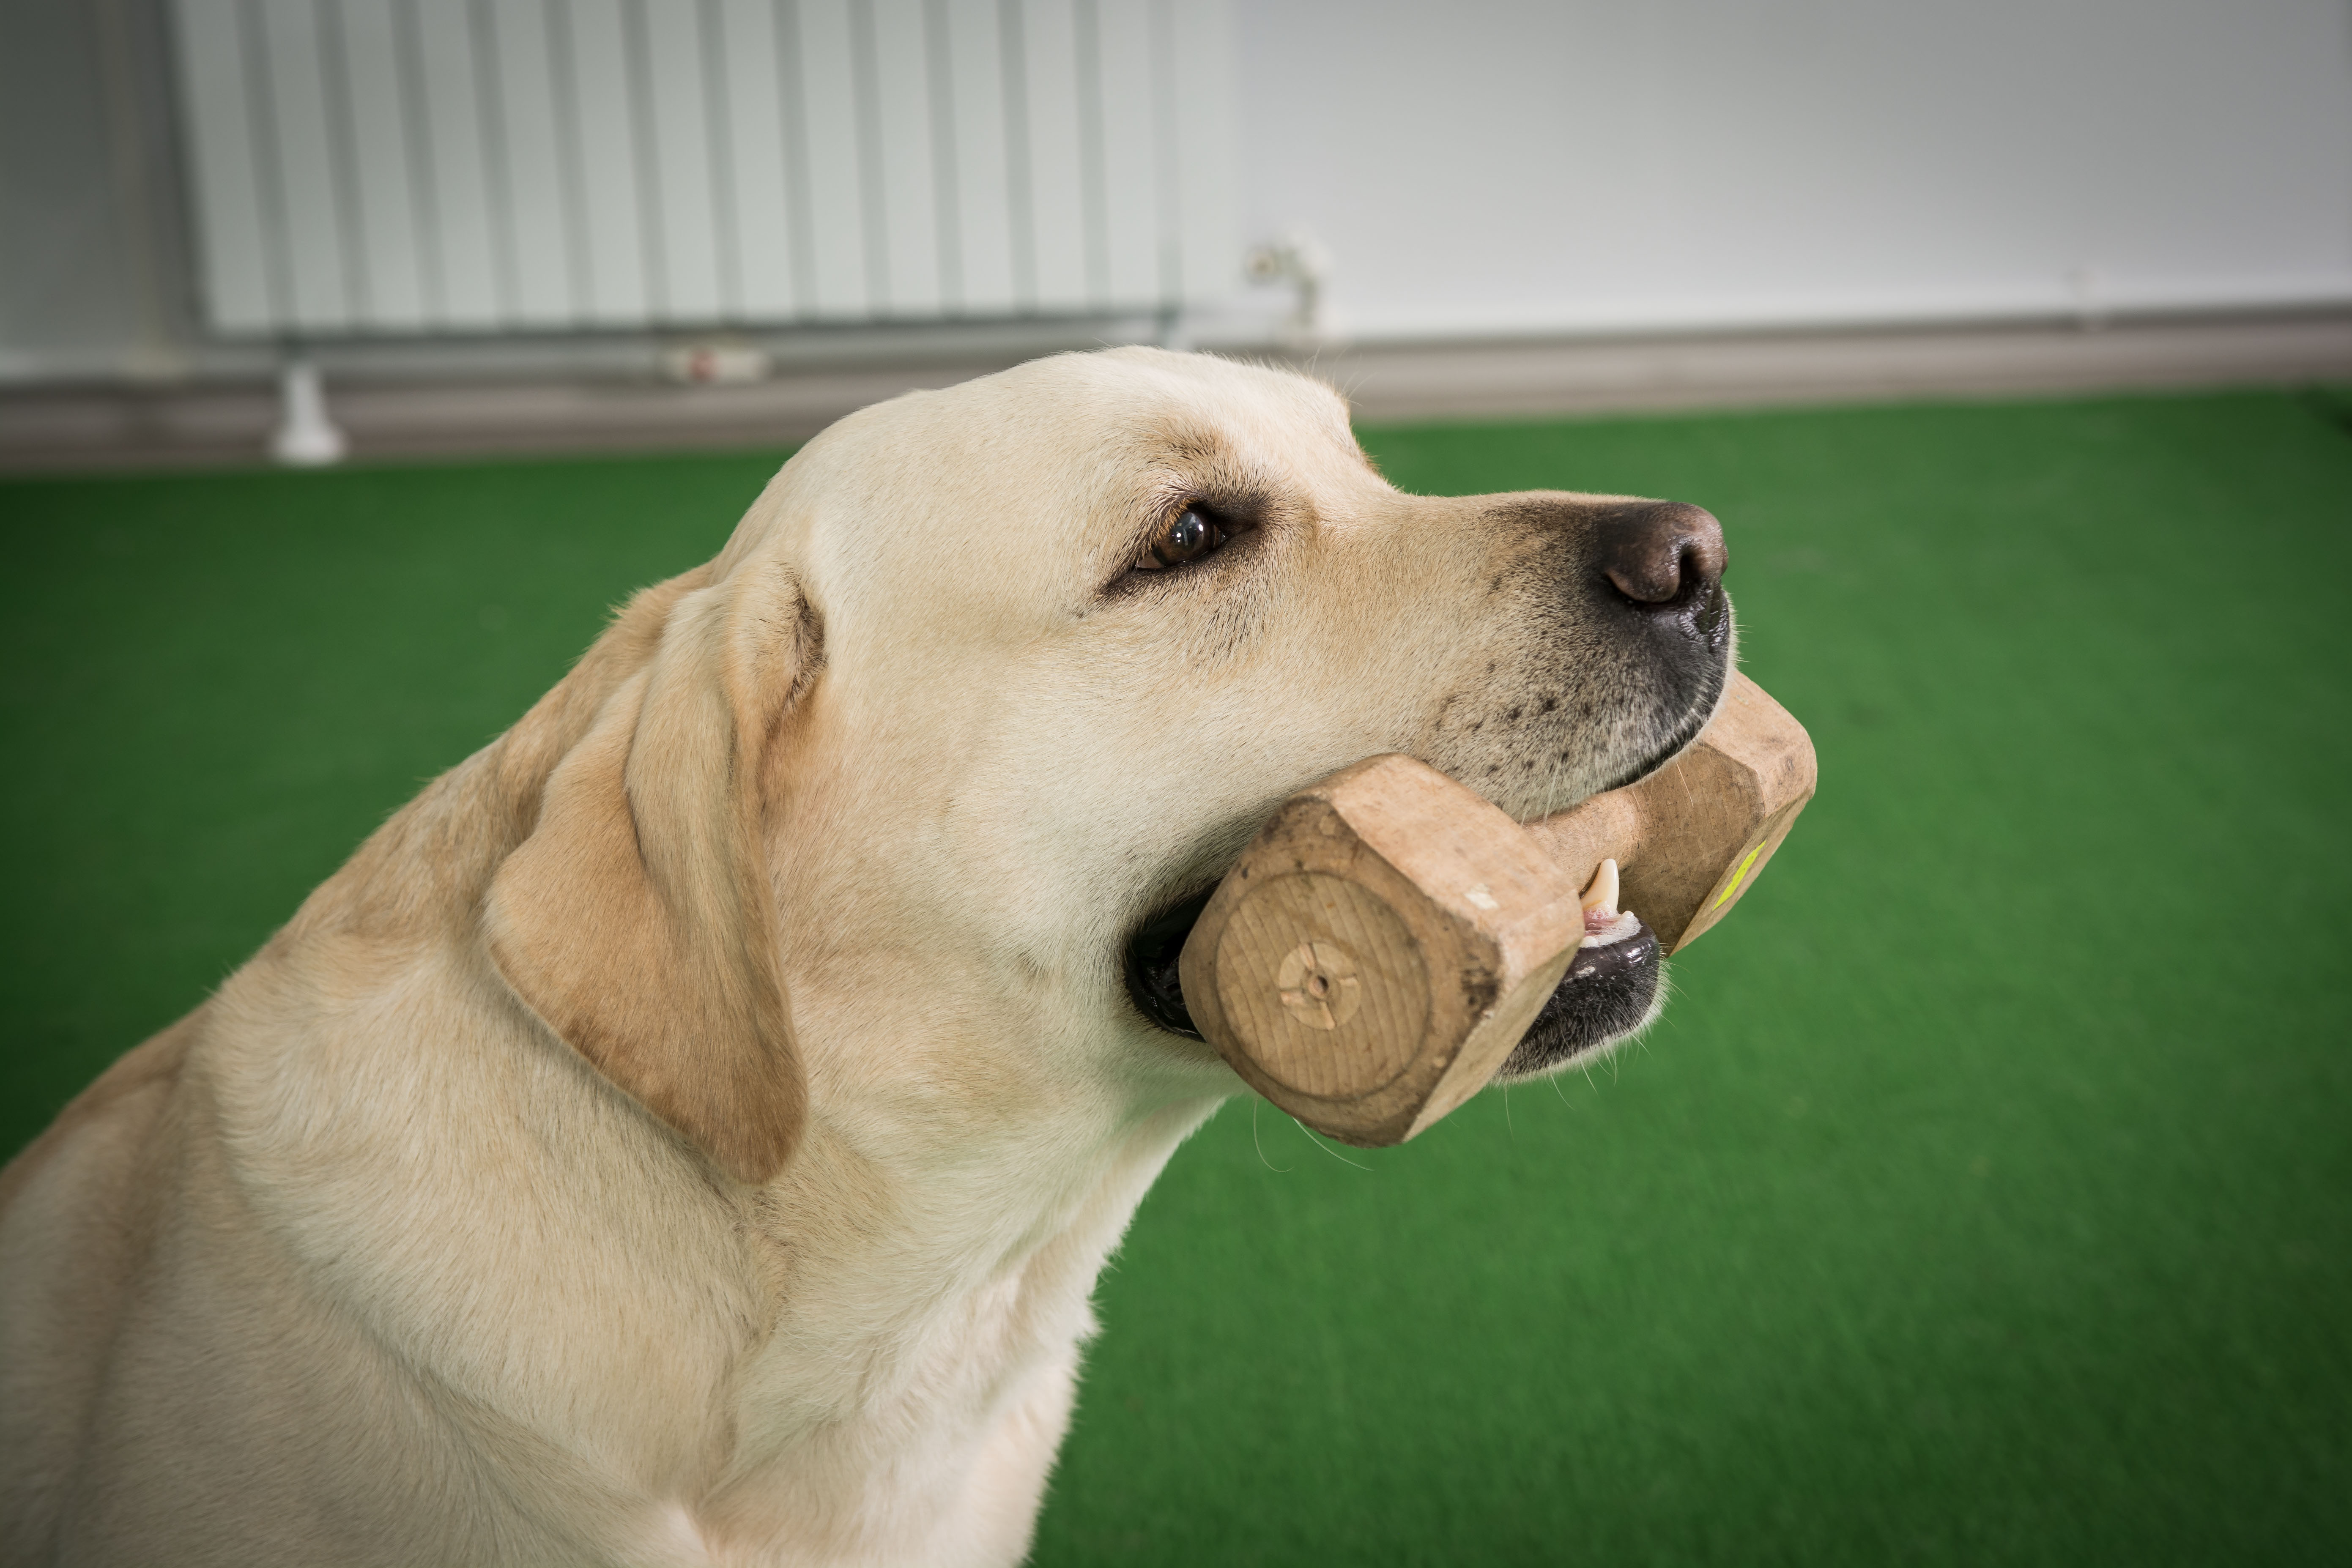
(1508, 166)
(1498, 166)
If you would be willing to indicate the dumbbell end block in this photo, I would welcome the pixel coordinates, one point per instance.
(1379, 950)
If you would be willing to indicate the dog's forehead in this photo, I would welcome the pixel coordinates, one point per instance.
(1115, 386)
(1050, 452)
(1085, 426)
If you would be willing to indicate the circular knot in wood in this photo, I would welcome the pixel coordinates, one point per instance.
(1317, 983)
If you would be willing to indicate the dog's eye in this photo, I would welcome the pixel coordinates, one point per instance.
(1188, 535)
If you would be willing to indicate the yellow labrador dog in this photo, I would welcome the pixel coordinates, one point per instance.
(690, 1133)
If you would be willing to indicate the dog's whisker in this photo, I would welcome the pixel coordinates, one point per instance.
(1277, 1170)
(1325, 1147)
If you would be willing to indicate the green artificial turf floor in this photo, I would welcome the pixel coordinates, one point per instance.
(1986, 1195)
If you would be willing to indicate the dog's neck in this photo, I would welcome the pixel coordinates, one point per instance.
(904, 1302)
(933, 1286)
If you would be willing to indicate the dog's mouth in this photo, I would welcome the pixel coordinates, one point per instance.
(1152, 955)
(1611, 989)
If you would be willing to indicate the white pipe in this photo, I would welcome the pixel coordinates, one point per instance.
(306, 437)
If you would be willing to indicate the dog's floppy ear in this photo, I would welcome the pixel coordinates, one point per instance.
(636, 917)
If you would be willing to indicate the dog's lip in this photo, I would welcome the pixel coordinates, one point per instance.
(1700, 716)
(1149, 955)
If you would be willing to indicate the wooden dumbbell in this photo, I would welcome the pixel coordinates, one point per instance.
(1389, 935)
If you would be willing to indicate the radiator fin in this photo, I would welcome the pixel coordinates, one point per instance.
(451, 167)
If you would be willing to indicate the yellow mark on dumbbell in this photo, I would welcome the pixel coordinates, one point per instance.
(1733, 886)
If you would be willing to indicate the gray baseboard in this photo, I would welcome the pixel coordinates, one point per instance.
(213, 423)
(1761, 369)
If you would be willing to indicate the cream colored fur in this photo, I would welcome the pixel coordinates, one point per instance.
(690, 1131)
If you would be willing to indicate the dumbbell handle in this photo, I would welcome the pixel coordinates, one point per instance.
(1691, 838)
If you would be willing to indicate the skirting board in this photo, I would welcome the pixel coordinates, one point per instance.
(116, 426)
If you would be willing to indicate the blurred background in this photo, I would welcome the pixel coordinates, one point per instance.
(1985, 1195)
(519, 223)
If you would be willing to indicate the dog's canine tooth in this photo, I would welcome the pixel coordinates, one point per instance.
(1601, 893)
(1604, 923)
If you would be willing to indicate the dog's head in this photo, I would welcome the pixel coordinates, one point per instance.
(990, 678)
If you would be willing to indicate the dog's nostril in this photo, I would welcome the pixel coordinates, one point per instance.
(1659, 552)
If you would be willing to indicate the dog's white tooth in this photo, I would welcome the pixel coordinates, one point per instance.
(1601, 894)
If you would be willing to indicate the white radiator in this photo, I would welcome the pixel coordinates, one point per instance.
(400, 166)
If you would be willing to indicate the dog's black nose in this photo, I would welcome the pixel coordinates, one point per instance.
(1660, 553)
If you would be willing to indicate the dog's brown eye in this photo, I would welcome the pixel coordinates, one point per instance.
(1188, 535)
